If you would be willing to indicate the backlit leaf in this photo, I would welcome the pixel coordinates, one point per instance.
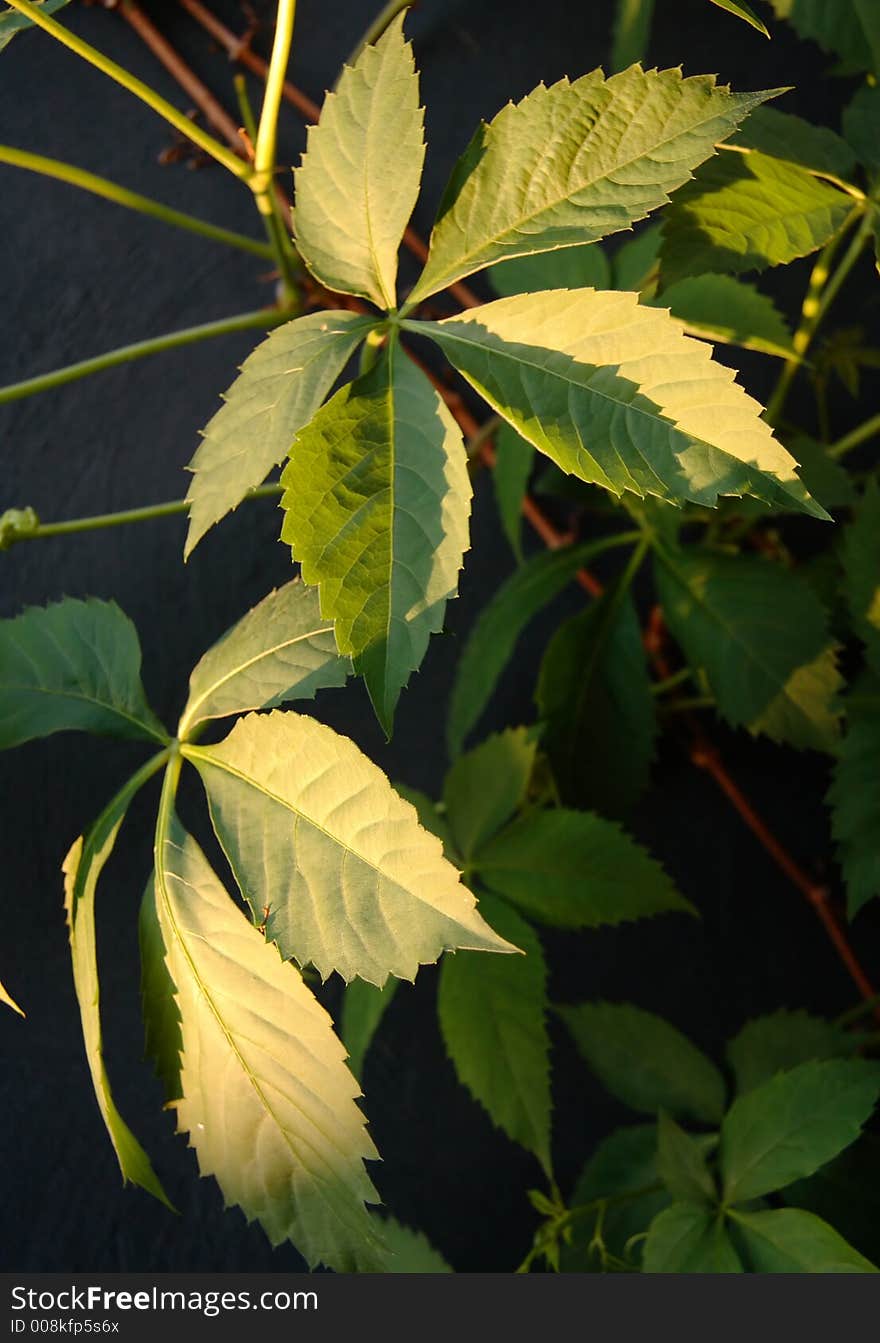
(267, 1099)
(281, 650)
(575, 162)
(742, 11)
(492, 1015)
(359, 177)
(6, 998)
(615, 393)
(377, 504)
(72, 665)
(316, 835)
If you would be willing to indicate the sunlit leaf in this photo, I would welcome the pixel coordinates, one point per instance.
(742, 11)
(359, 177)
(6, 998)
(329, 857)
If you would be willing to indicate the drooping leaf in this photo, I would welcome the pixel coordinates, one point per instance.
(74, 665)
(786, 1128)
(573, 869)
(788, 1240)
(861, 125)
(645, 1062)
(615, 393)
(162, 1038)
(281, 650)
(776, 1043)
(624, 1163)
(510, 477)
(82, 870)
(317, 837)
(834, 24)
(493, 1018)
(484, 788)
(565, 268)
(363, 1007)
(861, 563)
(280, 386)
(783, 136)
(594, 698)
(687, 1238)
(12, 21)
(411, 1251)
(760, 635)
(359, 178)
(722, 308)
(267, 1099)
(746, 212)
(854, 795)
(632, 32)
(6, 998)
(377, 504)
(498, 627)
(742, 11)
(575, 162)
(681, 1163)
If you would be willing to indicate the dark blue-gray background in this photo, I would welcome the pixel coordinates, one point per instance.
(81, 276)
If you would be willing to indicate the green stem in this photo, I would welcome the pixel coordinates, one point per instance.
(670, 682)
(145, 514)
(132, 200)
(862, 432)
(483, 434)
(821, 292)
(248, 120)
(265, 145)
(43, 382)
(160, 105)
(689, 704)
(386, 14)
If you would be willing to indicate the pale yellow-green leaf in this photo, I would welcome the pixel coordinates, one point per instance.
(615, 393)
(316, 835)
(9, 1001)
(359, 178)
(574, 163)
(267, 1099)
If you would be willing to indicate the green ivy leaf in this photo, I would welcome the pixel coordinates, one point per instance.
(861, 563)
(411, 1251)
(861, 125)
(485, 787)
(499, 625)
(778, 1042)
(82, 870)
(689, 1239)
(760, 635)
(594, 698)
(718, 307)
(836, 25)
(377, 504)
(744, 12)
(783, 136)
(162, 1039)
(281, 650)
(510, 478)
(572, 869)
(746, 212)
(576, 267)
(267, 1099)
(315, 833)
(854, 795)
(617, 395)
(682, 1165)
(575, 162)
(363, 1007)
(280, 386)
(645, 1062)
(787, 1240)
(74, 665)
(788, 1127)
(623, 1163)
(12, 21)
(359, 178)
(493, 1018)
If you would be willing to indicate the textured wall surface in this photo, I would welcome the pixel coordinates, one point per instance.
(80, 277)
